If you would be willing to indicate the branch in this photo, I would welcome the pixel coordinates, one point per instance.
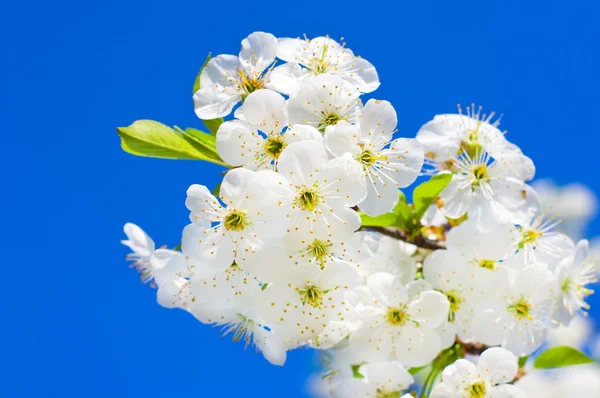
(399, 234)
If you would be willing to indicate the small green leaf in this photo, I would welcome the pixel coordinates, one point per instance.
(356, 373)
(264, 286)
(217, 191)
(523, 361)
(414, 371)
(401, 216)
(426, 193)
(557, 357)
(213, 124)
(197, 81)
(153, 139)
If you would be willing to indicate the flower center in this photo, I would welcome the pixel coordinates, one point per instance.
(312, 295)
(397, 316)
(328, 118)
(319, 250)
(387, 394)
(477, 390)
(521, 309)
(236, 220)
(487, 264)
(274, 145)
(367, 158)
(529, 236)
(566, 286)
(480, 173)
(455, 301)
(319, 65)
(307, 199)
(250, 85)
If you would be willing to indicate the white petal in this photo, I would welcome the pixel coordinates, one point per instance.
(430, 308)
(387, 376)
(342, 138)
(456, 198)
(235, 185)
(238, 143)
(258, 52)
(201, 204)
(217, 95)
(498, 365)
(378, 121)
(359, 73)
(266, 110)
(286, 78)
(441, 137)
(289, 49)
(387, 289)
(301, 132)
(301, 159)
(271, 346)
(138, 241)
(342, 182)
(417, 346)
(339, 275)
(404, 161)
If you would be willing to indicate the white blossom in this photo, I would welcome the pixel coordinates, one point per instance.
(322, 101)
(320, 56)
(388, 164)
(257, 141)
(228, 79)
(489, 378)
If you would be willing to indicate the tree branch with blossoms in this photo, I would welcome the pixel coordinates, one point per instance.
(280, 256)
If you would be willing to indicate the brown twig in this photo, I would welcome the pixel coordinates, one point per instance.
(397, 233)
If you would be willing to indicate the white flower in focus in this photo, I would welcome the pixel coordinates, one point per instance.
(242, 317)
(400, 324)
(574, 273)
(311, 196)
(323, 101)
(520, 318)
(380, 380)
(487, 250)
(304, 299)
(466, 288)
(234, 231)
(450, 135)
(388, 164)
(488, 379)
(320, 56)
(228, 79)
(490, 191)
(257, 141)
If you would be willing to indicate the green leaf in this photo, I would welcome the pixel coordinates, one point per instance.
(202, 139)
(557, 357)
(356, 373)
(213, 124)
(197, 81)
(153, 139)
(426, 193)
(401, 216)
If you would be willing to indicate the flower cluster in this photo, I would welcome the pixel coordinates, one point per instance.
(284, 255)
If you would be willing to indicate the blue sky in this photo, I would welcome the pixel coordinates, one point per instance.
(75, 320)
